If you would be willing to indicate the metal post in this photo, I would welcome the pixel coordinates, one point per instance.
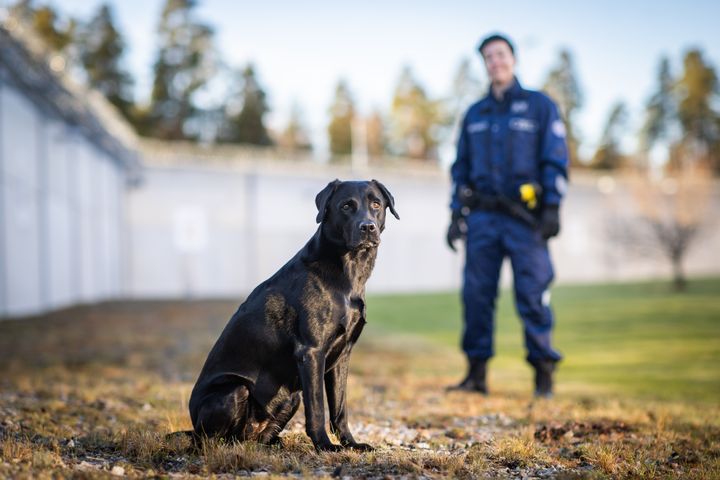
(75, 225)
(251, 228)
(3, 215)
(124, 246)
(359, 144)
(42, 197)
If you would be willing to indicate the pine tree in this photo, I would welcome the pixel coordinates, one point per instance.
(414, 117)
(248, 125)
(342, 112)
(295, 136)
(47, 24)
(376, 138)
(698, 88)
(24, 10)
(101, 49)
(563, 86)
(661, 109)
(185, 62)
(467, 88)
(608, 156)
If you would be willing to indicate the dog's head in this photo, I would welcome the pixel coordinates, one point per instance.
(353, 213)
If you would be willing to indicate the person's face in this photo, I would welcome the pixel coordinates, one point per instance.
(499, 62)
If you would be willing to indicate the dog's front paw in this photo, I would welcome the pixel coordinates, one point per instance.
(327, 446)
(361, 447)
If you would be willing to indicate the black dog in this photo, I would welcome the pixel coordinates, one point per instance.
(294, 333)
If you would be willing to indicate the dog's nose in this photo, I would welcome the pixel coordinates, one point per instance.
(367, 227)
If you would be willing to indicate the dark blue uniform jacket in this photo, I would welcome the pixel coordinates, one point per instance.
(504, 144)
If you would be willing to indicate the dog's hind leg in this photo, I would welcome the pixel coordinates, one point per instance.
(224, 413)
(281, 415)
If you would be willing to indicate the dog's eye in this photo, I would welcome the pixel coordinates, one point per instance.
(376, 205)
(346, 207)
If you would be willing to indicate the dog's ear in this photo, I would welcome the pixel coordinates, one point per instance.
(322, 198)
(388, 198)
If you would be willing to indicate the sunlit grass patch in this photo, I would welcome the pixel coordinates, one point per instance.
(445, 463)
(520, 451)
(233, 457)
(478, 459)
(638, 340)
(147, 446)
(16, 450)
(605, 457)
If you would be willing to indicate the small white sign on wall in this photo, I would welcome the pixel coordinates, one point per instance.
(190, 229)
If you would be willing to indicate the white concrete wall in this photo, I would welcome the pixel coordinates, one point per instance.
(61, 215)
(251, 220)
(71, 232)
(251, 223)
(19, 152)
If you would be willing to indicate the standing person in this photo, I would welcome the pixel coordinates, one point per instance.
(509, 178)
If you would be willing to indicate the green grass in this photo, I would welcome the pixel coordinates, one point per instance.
(638, 339)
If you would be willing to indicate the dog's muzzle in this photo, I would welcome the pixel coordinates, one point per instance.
(367, 234)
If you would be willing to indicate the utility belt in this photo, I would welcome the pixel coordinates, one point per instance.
(522, 210)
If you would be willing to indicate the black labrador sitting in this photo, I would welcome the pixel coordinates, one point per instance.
(294, 333)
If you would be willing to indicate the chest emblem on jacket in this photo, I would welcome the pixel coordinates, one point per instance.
(520, 106)
(523, 125)
(477, 127)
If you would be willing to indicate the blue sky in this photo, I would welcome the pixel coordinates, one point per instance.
(301, 49)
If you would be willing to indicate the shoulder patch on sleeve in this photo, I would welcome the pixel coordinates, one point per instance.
(561, 184)
(558, 128)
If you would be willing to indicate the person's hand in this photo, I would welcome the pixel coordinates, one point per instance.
(456, 230)
(550, 221)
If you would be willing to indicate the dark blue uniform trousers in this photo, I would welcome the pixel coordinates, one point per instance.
(491, 237)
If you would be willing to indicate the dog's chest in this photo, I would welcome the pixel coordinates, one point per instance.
(350, 324)
(354, 314)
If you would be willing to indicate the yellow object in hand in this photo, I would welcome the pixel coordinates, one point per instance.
(528, 196)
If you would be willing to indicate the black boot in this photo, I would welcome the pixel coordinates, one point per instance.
(544, 378)
(475, 379)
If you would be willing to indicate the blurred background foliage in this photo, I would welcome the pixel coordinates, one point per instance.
(681, 119)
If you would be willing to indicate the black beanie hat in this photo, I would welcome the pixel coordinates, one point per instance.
(494, 38)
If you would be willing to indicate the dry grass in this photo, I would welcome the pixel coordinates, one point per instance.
(220, 457)
(520, 450)
(78, 400)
